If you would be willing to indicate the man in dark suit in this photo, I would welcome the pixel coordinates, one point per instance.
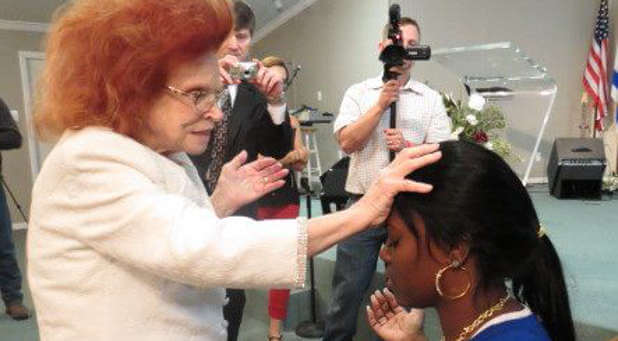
(254, 120)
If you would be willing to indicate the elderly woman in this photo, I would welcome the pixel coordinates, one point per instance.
(124, 243)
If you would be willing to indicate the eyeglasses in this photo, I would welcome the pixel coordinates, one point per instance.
(201, 100)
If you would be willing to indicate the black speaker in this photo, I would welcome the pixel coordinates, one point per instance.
(575, 168)
(333, 180)
(333, 186)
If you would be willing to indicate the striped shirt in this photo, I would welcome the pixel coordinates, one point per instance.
(421, 116)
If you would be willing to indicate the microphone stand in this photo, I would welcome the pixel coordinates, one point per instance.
(388, 75)
(312, 328)
(13, 198)
(291, 80)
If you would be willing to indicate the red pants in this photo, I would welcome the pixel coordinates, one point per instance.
(278, 298)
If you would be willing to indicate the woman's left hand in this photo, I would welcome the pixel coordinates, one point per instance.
(240, 184)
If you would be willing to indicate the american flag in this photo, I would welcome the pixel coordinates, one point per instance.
(595, 76)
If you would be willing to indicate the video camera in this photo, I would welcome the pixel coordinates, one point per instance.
(395, 54)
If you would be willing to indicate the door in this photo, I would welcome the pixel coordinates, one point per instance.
(31, 64)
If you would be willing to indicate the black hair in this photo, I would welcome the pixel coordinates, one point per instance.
(478, 199)
(243, 17)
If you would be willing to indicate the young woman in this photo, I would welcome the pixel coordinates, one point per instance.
(474, 249)
(284, 202)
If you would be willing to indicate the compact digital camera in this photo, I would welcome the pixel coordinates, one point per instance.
(244, 71)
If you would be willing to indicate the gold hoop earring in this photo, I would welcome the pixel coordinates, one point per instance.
(454, 265)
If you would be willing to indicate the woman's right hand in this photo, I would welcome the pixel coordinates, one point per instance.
(391, 322)
(376, 204)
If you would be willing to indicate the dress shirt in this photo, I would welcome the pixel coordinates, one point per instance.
(421, 116)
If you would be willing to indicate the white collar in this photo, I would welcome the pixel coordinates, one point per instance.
(515, 315)
(411, 85)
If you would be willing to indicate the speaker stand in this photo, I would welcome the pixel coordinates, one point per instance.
(312, 328)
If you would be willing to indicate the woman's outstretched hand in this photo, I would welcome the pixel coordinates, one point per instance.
(391, 322)
(376, 203)
(240, 184)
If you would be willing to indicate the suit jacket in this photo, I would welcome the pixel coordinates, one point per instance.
(124, 244)
(10, 137)
(252, 129)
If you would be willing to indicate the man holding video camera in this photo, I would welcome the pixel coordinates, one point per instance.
(254, 120)
(363, 131)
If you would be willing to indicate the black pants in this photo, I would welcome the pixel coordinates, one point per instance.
(232, 312)
(10, 276)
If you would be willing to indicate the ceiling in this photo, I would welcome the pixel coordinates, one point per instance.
(268, 10)
(40, 11)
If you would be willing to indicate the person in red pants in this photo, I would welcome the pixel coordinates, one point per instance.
(282, 203)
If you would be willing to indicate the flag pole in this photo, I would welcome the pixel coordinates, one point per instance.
(594, 122)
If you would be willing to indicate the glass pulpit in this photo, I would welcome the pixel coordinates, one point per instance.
(524, 91)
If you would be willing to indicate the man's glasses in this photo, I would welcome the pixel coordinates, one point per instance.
(201, 100)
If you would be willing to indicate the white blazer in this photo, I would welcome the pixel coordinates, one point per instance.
(124, 244)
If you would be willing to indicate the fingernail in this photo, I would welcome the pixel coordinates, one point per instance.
(387, 291)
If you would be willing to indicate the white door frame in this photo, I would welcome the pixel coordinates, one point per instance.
(24, 56)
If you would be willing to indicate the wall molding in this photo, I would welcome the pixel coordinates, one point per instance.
(538, 180)
(24, 26)
(281, 19)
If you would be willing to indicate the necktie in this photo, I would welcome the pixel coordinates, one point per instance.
(216, 151)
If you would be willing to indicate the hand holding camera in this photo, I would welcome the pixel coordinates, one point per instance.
(225, 64)
(388, 95)
(270, 84)
(396, 53)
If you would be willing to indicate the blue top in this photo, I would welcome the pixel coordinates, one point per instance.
(527, 328)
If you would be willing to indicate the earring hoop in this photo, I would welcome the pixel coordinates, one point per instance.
(454, 265)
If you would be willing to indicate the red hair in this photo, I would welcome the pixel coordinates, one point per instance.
(106, 60)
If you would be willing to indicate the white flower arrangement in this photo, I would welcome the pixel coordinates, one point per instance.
(476, 122)
(476, 102)
(472, 120)
(610, 183)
